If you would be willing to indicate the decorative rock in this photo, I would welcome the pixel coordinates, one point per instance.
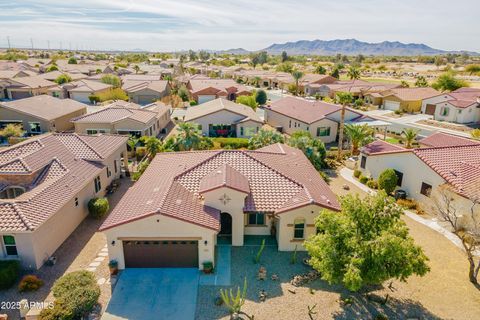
(94, 264)
(263, 296)
(346, 187)
(299, 280)
(99, 259)
(262, 273)
(274, 277)
(101, 281)
(292, 290)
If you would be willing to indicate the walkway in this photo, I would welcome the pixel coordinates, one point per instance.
(223, 274)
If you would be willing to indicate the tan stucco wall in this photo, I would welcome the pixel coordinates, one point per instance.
(246, 125)
(407, 106)
(219, 117)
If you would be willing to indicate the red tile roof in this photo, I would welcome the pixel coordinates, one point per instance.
(276, 179)
(440, 139)
(303, 110)
(382, 147)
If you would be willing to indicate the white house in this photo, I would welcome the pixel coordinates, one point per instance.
(184, 201)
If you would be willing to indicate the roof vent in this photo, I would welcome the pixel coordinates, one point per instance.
(156, 189)
(149, 201)
(178, 201)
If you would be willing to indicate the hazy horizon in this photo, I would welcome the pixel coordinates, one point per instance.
(168, 25)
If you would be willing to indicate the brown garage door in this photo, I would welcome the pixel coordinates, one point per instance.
(161, 254)
(20, 94)
(430, 109)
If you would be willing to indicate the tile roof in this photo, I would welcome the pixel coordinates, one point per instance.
(464, 97)
(411, 94)
(55, 167)
(440, 139)
(45, 107)
(135, 85)
(303, 110)
(220, 104)
(382, 147)
(33, 82)
(91, 86)
(276, 179)
(115, 113)
(222, 85)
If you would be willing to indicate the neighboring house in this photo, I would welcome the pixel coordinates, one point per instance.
(53, 75)
(189, 200)
(41, 114)
(440, 139)
(452, 163)
(223, 118)
(207, 90)
(146, 91)
(312, 79)
(459, 106)
(24, 87)
(406, 99)
(45, 186)
(126, 119)
(358, 88)
(81, 90)
(291, 114)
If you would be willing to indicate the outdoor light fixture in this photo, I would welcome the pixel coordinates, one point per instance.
(205, 242)
(113, 243)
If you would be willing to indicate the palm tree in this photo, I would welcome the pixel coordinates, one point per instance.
(256, 81)
(132, 143)
(410, 135)
(353, 73)
(264, 138)
(188, 137)
(297, 75)
(136, 68)
(153, 146)
(358, 135)
(343, 98)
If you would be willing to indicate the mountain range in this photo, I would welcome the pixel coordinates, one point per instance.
(351, 47)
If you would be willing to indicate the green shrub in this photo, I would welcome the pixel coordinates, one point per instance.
(408, 203)
(9, 273)
(363, 179)
(333, 149)
(193, 103)
(387, 180)
(372, 184)
(324, 176)
(140, 153)
(94, 99)
(232, 143)
(98, 207)
(357, 173)
(30, 283)
(76, 294)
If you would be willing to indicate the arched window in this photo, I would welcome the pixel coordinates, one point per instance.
(299, 228)
(11, 192)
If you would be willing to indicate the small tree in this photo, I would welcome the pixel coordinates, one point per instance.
(261, 97)
(320, 69)
(367, 243)
(473, 69)
(353, 73)
(314, 149)
(136, 68)
(387, 181)
(264, 138)
(112, 80)
(297, 75)
(12, 130)
(249, 101)
(183, 93)
(421, 82)
(359, 135)
(153, 146)
(63, 78)
(448, 82)
(98, 207)
(410, 135)
(343, 98)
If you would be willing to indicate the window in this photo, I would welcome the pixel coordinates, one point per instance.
(109, 173)
(98, 184)
(299, 228)
(323, 131)
(11, 192)
(199, 127)
(241, 131)
(76, 202)
(399, 177)
(35, 127)
(426, 189)
(10, 246)
(363, 162)
(256, 218)
(444, 111)
(290, 124)
(115, 166)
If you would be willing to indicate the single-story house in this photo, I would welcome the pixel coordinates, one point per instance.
(459, 106)
(125, 118)
(81, 90)
(224, 118)
(406, 99)
(45, 186)
(207, 90)
(291, 114)
(314, 79)
(146, 91)
(24, 87)
(185, 201)
(358, 88)
(424, 172)
(40, 114)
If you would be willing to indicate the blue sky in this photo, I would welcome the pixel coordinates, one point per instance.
(169, 25)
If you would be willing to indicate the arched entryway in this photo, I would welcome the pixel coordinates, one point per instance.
(225, 234)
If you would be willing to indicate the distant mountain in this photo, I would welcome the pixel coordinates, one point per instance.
(354, 47)
(235, 51)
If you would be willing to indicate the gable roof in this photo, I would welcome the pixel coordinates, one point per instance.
(33, 82)
(440, 139)
(56, 168)
(114, 113)
(382, 147)
(220, 104)
(275, 181)
(134, 85)
(87, 86)
(411, 94)
(219, 84)
(303, 110)
(45, 107)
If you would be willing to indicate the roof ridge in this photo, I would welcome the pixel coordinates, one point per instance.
(22, 217)
(79, 138)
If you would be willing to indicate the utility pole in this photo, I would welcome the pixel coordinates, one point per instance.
(31, 42)
(48, 44)
(60, 45)
(8, 40)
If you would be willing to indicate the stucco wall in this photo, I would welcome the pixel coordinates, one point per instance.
(255, 127)
(220, 117)
(458, 115)
(11, 115)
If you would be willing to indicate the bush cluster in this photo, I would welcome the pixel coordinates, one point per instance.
(372, 184)
(30, 283)
(388, 181)
(408, 203)
(9, 273)
(363, 179)
(98, 207)
(231, 143)
(357, 173)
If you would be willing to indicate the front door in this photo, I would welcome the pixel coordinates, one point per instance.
(430, 109)
(225, 224)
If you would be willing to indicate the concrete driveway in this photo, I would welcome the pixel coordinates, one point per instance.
(167, 293)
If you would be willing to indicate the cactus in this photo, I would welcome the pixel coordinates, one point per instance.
(234, 302)
(259, 253)
(293, 259)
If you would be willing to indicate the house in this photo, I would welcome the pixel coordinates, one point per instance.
(145, 89)
(459, 106)
(24, 87)
(40, 114)
(125, 118)
(53, 75)
(45, 186)
(314, 79)
(81, 90)
(185, 201)
(406, 99)
(224, 118)
(211, 89)
(452, 163)
(291, 114)
(358, 88)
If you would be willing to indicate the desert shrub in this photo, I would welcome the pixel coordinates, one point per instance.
(363, 179)
(372, 184)
(331, 163)
(94, 99)
(113, 94)
(387, 180)
(112, 79)
(98, 207)
(9, 273)
(193, 103)
(408, 203)
(140, 153)
(76, 294)
(231, 143)
(333, 149)
(324, 176)
(357, 173)
(30, 282)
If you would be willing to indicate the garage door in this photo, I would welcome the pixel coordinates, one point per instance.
(203, 99)
(391, 105)
(430, 109)
(160, 254)
(146, 99)
(20, 94)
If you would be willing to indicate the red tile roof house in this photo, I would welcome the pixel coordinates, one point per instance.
(45, 185)
(459, 106)
(146, 91)
(125, 118)
(223, 118)
(206, 90)
(291, 114)
(184, 201)
(451, 162)
(24, 87)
